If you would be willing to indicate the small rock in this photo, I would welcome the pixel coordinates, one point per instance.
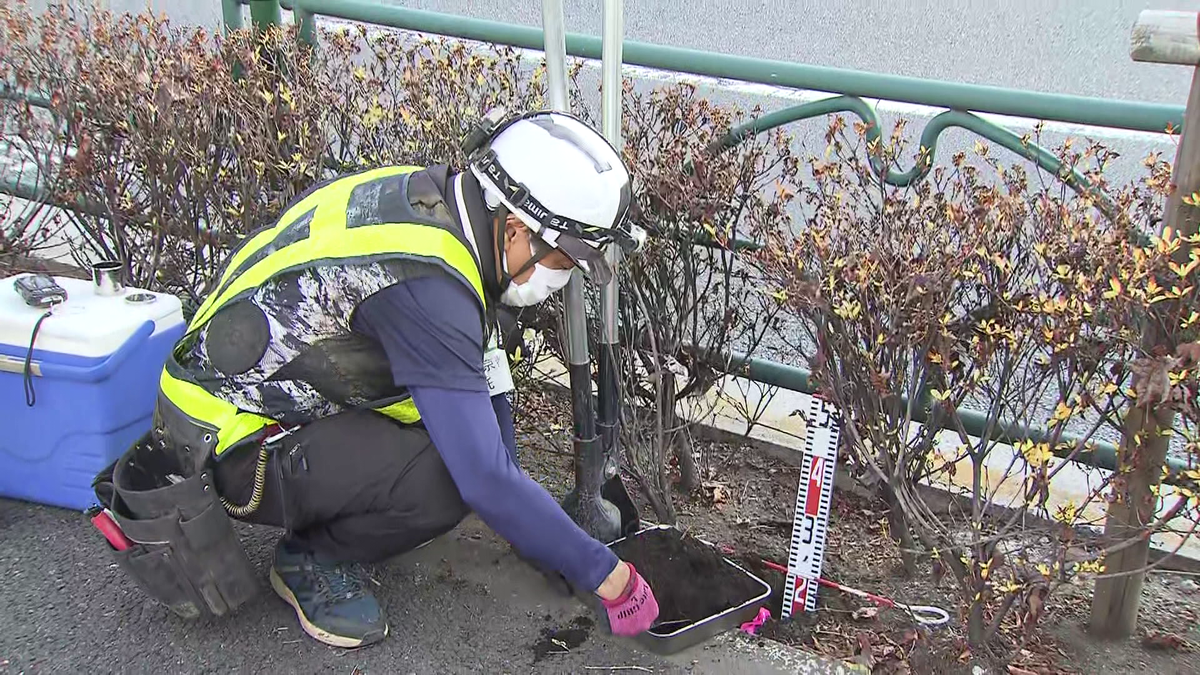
(865, 613)
(1189, 586)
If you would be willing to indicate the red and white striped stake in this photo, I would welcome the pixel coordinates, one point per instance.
(810, 521)
(922, 614)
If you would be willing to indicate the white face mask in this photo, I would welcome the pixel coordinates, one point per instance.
(539, 286)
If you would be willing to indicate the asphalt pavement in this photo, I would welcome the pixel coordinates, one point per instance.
(1078, 47)
(463, 604)
(1071, 47)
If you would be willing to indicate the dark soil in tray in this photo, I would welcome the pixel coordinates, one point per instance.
(690, 579)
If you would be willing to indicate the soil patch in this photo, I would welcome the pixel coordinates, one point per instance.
(554, 641)
(691, 580)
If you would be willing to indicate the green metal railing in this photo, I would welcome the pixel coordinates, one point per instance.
(961, 100)
(1152, 117)
(928, 143)
(1094, 453)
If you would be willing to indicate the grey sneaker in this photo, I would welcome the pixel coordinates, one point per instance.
(331, 599)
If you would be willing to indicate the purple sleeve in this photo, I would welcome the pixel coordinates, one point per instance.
(430, 329)
(463, 427)
(503, 409)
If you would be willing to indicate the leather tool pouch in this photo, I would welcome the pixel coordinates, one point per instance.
(185, 553)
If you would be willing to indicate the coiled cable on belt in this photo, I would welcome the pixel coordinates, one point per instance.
(256, 494)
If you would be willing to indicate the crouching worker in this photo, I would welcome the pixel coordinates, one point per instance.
(342, 380)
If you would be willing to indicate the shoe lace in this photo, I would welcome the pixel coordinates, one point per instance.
(340, 581)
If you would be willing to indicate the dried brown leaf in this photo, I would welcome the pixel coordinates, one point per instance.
(1188, 355)
(864, 652)
(865, 613)
(1164, 642)
(1151, 380)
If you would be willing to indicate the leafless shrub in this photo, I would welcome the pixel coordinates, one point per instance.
(978, 286)
(689, 297)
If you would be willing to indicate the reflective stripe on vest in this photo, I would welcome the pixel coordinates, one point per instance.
(229, 424)
(329, 240)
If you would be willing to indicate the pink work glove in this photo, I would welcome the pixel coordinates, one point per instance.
(635, 609)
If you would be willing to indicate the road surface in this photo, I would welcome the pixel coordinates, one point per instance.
(1072, 47)
(1079, 47)
(463, 604)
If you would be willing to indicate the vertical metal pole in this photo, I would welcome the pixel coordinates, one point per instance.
(611, 91)
(265, 13)
(611, 120)
(231, 14)
(554, 29)
(598, 518)
(308, 25)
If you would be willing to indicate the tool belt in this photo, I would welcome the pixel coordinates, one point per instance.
(179, 544)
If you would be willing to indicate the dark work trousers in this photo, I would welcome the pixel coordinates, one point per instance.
(356, 487)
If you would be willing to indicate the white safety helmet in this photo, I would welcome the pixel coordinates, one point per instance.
(564, 180)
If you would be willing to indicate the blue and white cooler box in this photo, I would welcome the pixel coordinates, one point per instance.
(94, 372)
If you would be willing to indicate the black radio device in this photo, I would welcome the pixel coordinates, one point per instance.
(40, 290)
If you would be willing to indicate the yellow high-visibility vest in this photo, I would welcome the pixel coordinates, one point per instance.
(362, 230)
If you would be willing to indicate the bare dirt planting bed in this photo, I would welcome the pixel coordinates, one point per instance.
(746, 504)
